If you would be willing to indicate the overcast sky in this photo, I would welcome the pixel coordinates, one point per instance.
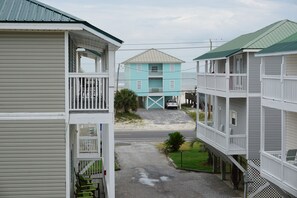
(191, 22)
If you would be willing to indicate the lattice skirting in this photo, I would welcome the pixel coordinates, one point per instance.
(259, 188)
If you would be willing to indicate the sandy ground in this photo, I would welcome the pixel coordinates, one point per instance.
(159, 120)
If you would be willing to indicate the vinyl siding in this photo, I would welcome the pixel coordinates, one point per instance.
(272, 129)
(291, 126)
(238, 105)
(254, 123)
(32, 74)
(291, 65)
(72, 56)
(273, 65)
(138, 75)
(168, 76)
(254, 74)
(222, 113)
(32, 159)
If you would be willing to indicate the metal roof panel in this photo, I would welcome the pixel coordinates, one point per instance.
(287, 45)
(153, 56)
(259, 39)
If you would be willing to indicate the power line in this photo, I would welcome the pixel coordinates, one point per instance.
(162, 72)
(175, 43)
(166, 48)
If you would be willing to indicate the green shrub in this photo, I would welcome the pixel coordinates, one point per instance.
(174, 141)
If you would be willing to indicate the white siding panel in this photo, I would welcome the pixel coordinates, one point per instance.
(32, 72)
(291, 62)
(32, 158)
(291, 126)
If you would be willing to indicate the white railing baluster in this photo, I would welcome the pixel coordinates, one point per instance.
(103, 93)
(88, 92)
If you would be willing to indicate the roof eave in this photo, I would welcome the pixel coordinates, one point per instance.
(276, 53)
(60, 26)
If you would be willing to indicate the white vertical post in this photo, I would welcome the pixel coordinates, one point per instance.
(110, 163)
(262, 146)
(67, 136)
(227, 130)
(283, 143)
(216, 113)
(205, 108)
(227, 73)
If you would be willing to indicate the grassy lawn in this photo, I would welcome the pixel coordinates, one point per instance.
(192, 158)
(127, 117)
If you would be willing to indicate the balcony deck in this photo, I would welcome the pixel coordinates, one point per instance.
(88, 92)
(281, 173)
(234, 145)
(219, 84)
(280, 91)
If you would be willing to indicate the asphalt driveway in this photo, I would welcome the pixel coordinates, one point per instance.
(146, 173)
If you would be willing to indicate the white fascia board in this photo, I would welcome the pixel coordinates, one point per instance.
(220, 58)
(56, 27)
(96, 33)
(251, 50)
(40, 26)
(276, 54)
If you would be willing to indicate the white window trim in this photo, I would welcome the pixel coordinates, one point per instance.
(171, 68)
(138, 67)
(138, 85)
(233, 114)
(172, 84)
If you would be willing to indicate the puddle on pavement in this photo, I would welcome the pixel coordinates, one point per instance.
(145, 180)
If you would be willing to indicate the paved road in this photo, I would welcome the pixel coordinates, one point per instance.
(149, 136)
(147, 174)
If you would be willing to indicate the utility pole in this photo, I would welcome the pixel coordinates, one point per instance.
(118, 74)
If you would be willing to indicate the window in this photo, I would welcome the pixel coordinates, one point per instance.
(138, 84)
(172, 84)
(138, 67)
(171, 68)
(233, 118)
(154, 68)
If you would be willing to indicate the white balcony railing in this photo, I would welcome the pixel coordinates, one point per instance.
(235, 145)
(156, 73)
(273, 87)
(91, 167)
(88, 92)
(213, 81)
(155, 89)
(275, 169)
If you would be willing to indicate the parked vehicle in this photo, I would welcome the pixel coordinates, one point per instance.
(171, 104)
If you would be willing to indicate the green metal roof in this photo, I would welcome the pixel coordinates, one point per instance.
(32, 11)
(260, 39)
(287, 45)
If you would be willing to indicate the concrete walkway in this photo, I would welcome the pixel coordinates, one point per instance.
(147, 174)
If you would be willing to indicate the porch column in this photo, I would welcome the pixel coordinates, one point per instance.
(109, 132)
(227, 130)
(205, 108)
(215, 112)
(283, 141)
(227, 73)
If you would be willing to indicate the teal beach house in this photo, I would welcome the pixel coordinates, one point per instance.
(155, 77)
